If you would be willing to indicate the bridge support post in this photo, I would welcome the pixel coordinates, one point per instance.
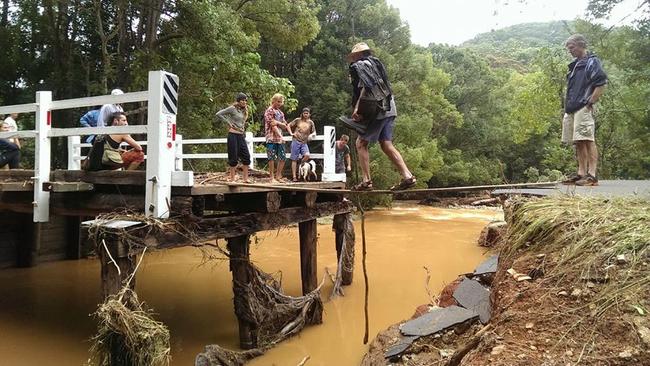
(251, 148)
(241, 277)
(329, 156)
(28, 247)
(116, 264)
(344, 236)
(161, 147)
(308, 241)
(43, 159)
(74, 151)
(178, 161)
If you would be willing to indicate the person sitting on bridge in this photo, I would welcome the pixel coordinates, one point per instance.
(9, 149)
(235, 116)
(107, 110)
(304, 131)
(12, 126)
(106, 153)
(273, 121)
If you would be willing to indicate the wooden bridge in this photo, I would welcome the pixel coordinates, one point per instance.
(49, 211)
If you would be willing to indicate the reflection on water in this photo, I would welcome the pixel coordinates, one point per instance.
(44, 310)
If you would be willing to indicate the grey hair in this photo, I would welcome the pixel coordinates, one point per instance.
(578, 40)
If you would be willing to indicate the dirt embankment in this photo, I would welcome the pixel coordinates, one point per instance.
(577, 293)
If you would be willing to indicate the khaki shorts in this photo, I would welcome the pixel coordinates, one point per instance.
(578, 126)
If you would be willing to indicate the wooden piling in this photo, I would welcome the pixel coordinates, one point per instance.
(308, 240)
(73, 237)
(344, 236)
(240, 267)
(29, 244)
(116, 264)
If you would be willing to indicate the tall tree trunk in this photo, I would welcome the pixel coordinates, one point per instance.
(107, 68)
(5, 13)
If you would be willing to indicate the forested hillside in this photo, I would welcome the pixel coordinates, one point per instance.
(484, 112)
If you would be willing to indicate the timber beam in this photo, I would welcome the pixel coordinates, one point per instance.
(207, 229)
(93, 204)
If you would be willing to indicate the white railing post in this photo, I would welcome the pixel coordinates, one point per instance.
(178, 161)
(42, 157)
(74, 151)
(251, 148)
(329, 156)
(161, 126)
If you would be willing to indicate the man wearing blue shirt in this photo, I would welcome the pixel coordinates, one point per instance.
(89, 120)
(586, 82)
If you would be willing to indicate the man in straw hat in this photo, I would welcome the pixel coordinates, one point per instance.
(374, 106)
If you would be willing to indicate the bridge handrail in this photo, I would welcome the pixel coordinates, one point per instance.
(161, 97)
(75, 145)
(132, 97)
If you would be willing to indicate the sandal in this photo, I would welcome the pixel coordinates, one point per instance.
(363, 186)
(405, 184)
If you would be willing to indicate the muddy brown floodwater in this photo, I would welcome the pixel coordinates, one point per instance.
(44, 310)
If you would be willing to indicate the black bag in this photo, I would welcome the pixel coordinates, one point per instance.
(93, 161)
(368, 109)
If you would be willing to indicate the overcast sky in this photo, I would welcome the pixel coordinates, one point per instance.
(456, 21)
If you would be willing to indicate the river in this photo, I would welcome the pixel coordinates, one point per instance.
(44, 311)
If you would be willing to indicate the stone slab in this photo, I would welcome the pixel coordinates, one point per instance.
(489, 266)
(437, 320)
(473, 296)
(404, 343)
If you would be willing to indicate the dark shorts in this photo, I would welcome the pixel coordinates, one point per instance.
(238, 150)
(379, 130)
(275, 151)
(298, 150)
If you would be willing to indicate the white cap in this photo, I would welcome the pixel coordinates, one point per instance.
(117, 92)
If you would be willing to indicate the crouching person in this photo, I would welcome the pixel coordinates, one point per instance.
(106, 153)
(9, 150)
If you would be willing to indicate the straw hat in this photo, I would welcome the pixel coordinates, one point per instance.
(359, 47)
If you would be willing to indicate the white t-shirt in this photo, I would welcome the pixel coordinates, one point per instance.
(105, 114)
(12, 124)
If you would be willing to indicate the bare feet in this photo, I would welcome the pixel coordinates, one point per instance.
(273, 181)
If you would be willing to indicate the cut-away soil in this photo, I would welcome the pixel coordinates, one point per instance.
(580, 293)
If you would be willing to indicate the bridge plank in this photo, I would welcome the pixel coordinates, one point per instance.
(24, 186)
(211, 189)
(122, 177)
(68, 186)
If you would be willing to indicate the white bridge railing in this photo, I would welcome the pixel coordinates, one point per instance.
(162, 102)
(165, 154)
(328, 154)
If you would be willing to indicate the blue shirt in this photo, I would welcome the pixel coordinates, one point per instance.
(584, 76)
(89, 119)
